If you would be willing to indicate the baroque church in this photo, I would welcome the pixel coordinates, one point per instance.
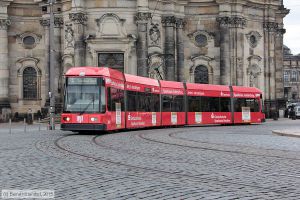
(230, 42)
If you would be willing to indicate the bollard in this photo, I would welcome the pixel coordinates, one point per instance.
(275, 116)
(39, 124)
(24, 125)
(9, 125)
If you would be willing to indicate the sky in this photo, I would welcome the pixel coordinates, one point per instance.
(292, 26)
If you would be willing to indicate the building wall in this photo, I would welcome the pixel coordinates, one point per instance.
(237, 42)
(291, 76)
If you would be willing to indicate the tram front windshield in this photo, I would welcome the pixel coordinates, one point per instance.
(82, 95)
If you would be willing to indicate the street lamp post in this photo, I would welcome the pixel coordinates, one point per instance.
(52, 67)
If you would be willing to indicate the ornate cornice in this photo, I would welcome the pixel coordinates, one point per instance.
(58, 21)
(284, 11)
(4, 23)
(232, 22)
(78, 18)
(45, 22)
(270, 26)
(168, 21)
(281, 31)
(180, 23)
(142, 17)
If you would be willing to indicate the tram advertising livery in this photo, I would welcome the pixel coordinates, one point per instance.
(98, 98)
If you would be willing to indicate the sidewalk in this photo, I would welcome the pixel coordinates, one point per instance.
(21, 127)
(289, 133)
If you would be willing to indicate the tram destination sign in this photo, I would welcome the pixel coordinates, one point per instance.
(82, 81)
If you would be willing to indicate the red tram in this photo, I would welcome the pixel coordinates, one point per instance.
(106, 99)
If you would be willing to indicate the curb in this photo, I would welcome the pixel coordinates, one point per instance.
(287, 133)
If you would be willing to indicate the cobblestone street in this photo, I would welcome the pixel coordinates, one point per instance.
(212, 162)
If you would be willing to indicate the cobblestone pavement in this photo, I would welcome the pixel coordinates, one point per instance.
(213, 162)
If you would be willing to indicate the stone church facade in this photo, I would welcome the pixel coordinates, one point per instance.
(232, 42)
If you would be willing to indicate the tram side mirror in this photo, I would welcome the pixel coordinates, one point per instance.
(261, 96)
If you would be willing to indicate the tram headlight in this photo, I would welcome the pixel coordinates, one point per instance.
(67, 119)
(94, 119)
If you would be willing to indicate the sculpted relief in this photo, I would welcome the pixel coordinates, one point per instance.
(154, 34)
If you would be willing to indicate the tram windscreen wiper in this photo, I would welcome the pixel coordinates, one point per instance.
(88, 105)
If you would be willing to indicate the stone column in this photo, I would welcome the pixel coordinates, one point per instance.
(79, 20)
(142, 43)
(46, 23)
(231, 49)
(169, 24)
(180, 50)
(58, 26)
(270, 28)
(225, 71)
(239, 26)
(279, 63)
(4, 70)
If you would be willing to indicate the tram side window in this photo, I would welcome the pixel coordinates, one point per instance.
(206, 105)
(115, 96)
(238, 104)
(224, 104)
(210, 104)
(214, 104)
(172, 103)
(252, 103)
(155, 105)
(194, 104)
(132, 103)
(103, 100)
(142, 102)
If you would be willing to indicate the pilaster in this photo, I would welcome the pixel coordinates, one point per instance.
(180, 49)
(169, 25)
(142, 19)
(270, 29)
(231, 49)
(45, 22)
(79, 20)
(4, 70)
(58, 28)
(58, 23)
(279, 63)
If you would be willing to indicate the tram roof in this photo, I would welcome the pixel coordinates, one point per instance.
(208, 87)
(171, 84)
(246, 89)
(95, 71)
(141, 80)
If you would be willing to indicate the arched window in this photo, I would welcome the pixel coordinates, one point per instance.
(29, 83)
(201, 74)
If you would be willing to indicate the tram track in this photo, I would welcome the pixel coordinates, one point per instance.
(171, 135)
(179, 160)
(196, 178)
